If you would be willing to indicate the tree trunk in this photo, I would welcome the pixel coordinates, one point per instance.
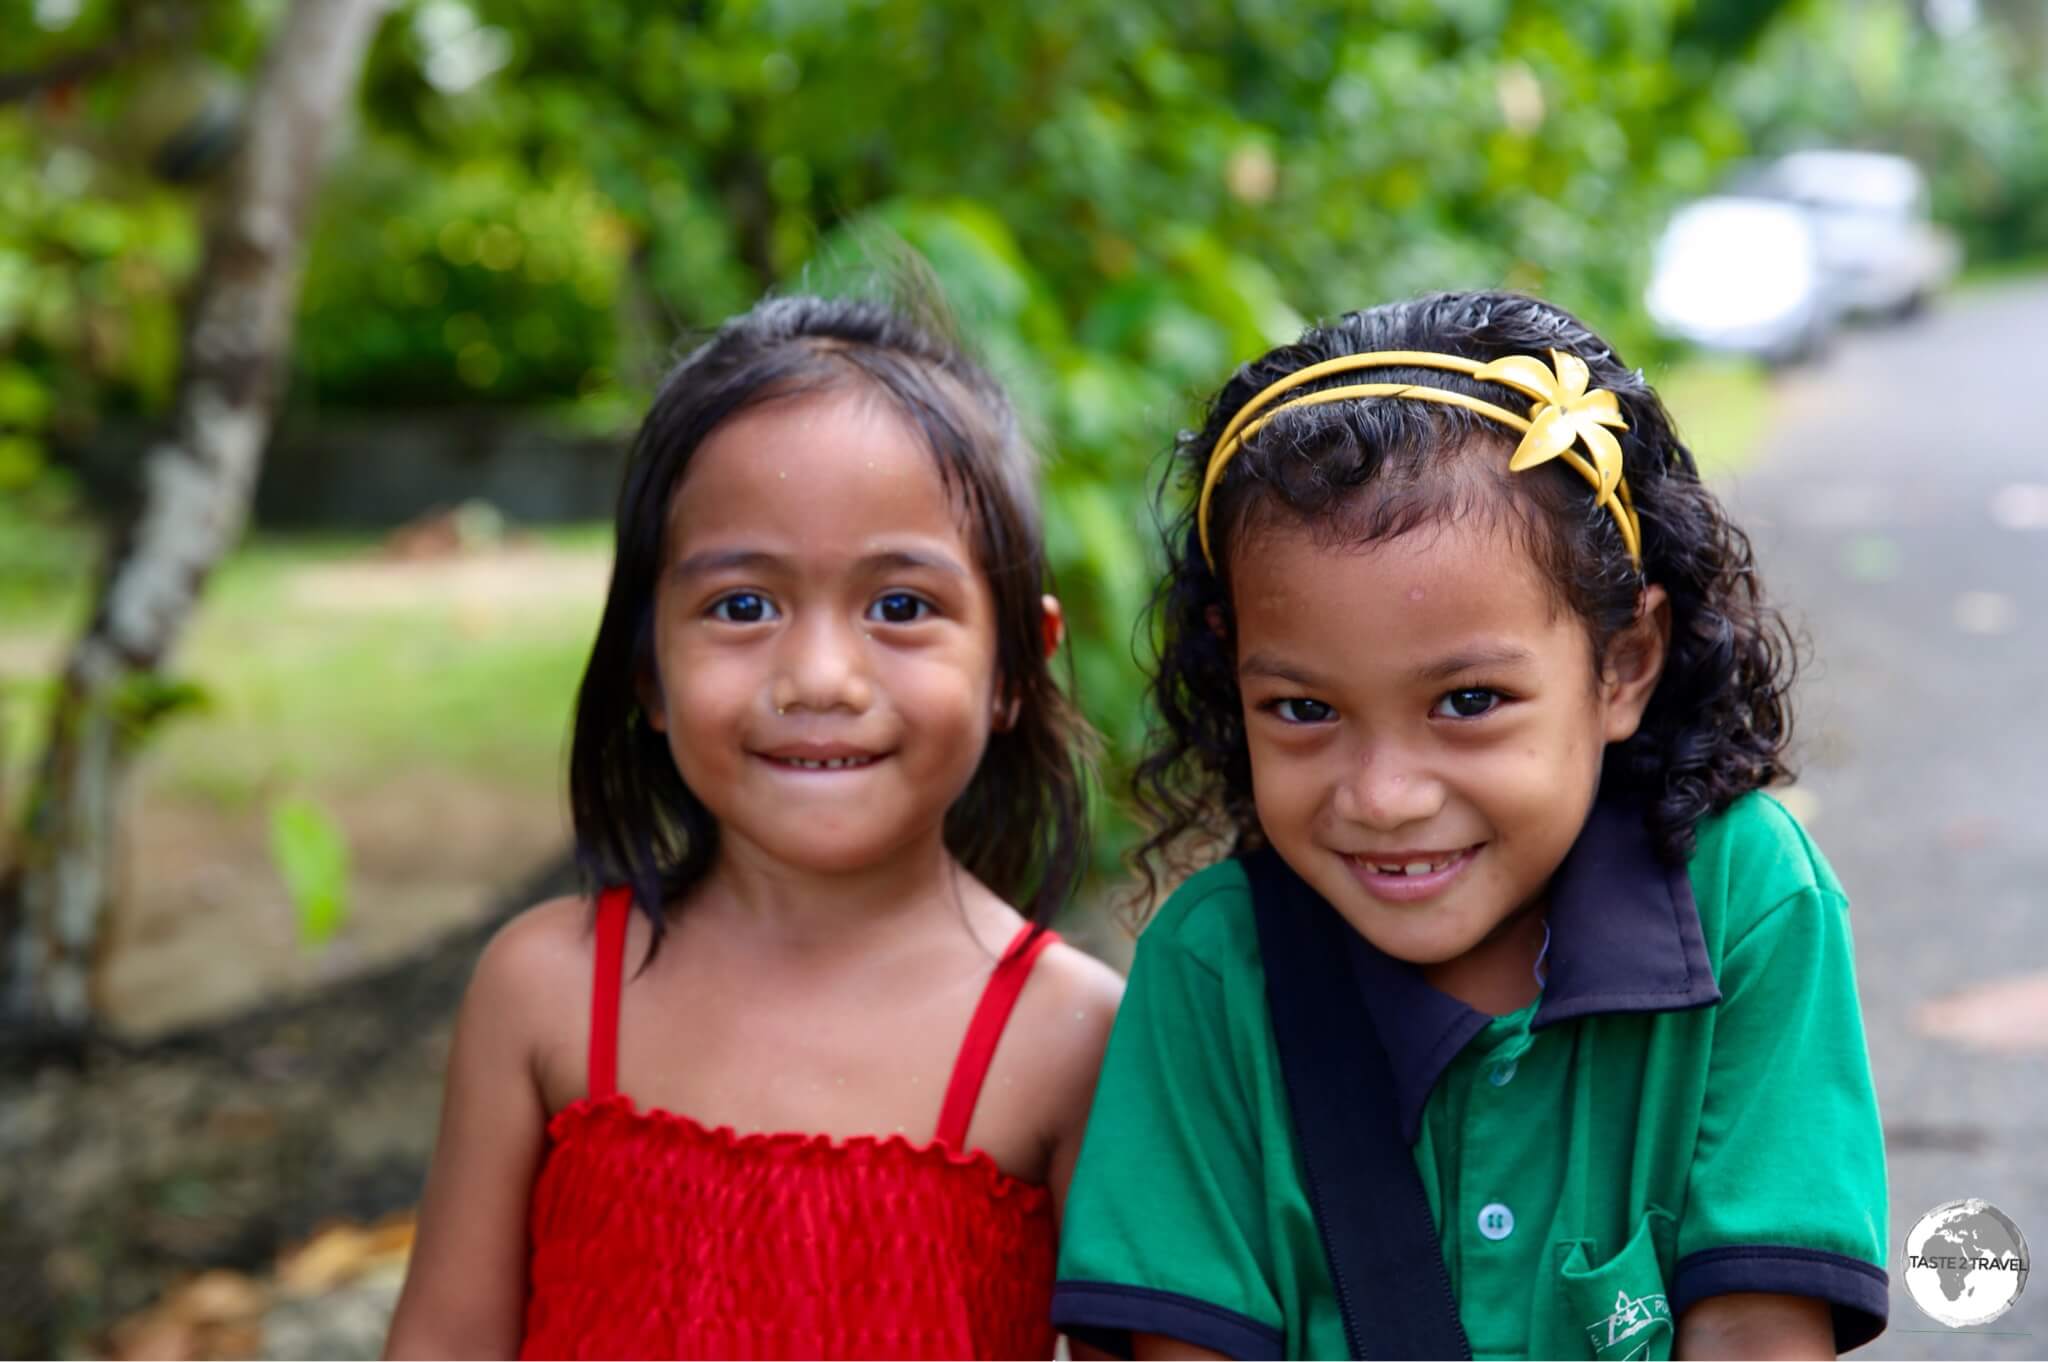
(196, 487)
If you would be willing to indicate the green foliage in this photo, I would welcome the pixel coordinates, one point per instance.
(89, 270)
(310, 852)
(94, 246)
(1164, 162)
(481, 283)
(45, 557)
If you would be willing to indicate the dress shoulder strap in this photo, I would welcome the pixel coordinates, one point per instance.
(614, 907)
(985, 1031)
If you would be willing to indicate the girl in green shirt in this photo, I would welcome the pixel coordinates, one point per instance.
(1476, 682)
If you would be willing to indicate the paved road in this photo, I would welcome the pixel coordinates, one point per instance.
(1901, 510)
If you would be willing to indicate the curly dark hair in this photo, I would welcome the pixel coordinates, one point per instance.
(1021, 826)
(1367, 469)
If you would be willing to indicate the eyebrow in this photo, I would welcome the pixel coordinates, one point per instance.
(1265, 664)
(1474, 659)
(724, 560)
(901, 560)
(755, 560)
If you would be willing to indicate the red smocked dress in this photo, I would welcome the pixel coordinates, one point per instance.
(655, 1236)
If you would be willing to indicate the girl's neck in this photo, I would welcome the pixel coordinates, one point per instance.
(1499, 975)
(806, 909)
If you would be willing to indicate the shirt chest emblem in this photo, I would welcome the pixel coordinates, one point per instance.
(1636, 1324)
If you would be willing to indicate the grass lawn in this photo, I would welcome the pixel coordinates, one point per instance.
(325, 665)
(325, 668)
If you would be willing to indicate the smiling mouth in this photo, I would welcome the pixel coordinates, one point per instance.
(1412, 865)
(1405, 867)
(822, 763)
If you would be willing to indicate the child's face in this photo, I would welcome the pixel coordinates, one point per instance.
(1425, 703)
(825, 643)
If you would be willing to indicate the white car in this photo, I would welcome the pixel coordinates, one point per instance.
(1744, 275)
(1880, 248)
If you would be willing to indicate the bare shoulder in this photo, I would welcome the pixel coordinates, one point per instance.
(1053, 1042)
(1065, 984)
(1066, 1011)
(542, 951)
(1068, 977)
(531, 993)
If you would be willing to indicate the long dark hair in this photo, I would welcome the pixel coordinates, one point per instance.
(1021, 826)
(1368, 469)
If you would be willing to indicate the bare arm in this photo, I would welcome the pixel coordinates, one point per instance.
(1756, 1325)
(1090, 992)
(465, 1290)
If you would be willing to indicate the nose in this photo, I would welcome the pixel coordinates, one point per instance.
(823, 666)
(1388, 788)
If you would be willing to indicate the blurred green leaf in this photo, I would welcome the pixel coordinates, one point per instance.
(310, 852)
(24, 401)
(145, 701)
(21, 459)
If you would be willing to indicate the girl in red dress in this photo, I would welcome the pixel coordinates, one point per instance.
(801, 1082)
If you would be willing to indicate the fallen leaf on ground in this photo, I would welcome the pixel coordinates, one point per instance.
(216, 1297)
(341, 1252)
(150, 1335)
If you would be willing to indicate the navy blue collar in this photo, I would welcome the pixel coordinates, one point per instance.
(1624, 937)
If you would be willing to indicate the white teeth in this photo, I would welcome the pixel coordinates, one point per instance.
(829, 764)
(1411, 867)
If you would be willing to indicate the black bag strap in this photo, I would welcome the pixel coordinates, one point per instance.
(1370, 1208)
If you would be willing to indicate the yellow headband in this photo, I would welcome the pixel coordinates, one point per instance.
(1563, 414)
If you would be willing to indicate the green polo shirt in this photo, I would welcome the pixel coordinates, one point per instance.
(1685, 1112)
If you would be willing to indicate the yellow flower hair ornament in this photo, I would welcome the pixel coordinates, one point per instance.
(1565, 418)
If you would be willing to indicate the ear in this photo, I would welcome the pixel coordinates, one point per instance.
(647, 689)
(1634, 664)
(1214, 616)
(1053, 621)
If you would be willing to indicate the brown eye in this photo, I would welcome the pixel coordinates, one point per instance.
(743, 607)
(1296, 710)
(899, 607)
(1468, 704)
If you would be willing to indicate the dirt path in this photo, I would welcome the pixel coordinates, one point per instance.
(207, 929)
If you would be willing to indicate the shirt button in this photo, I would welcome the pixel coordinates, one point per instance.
(1500, 1075)
(1496, 1221)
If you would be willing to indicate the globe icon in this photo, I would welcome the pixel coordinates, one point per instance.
(1966, 1263)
